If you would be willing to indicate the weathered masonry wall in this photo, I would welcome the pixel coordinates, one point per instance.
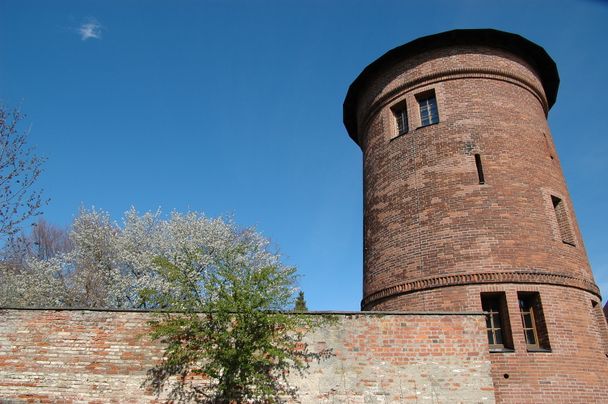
(102, 356)
(466, 207)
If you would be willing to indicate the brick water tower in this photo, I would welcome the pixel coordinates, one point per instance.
(466, 207)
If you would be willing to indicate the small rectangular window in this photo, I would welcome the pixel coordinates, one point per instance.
(428, 108)
(600, 324)
(497, 321)
(533, 321)
(479, 169)
(563, 223)
(400, 114)
(548, 146)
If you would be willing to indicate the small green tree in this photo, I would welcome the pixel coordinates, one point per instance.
(231, 331)
(300, 304)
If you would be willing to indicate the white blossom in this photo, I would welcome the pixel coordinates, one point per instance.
(111, 264)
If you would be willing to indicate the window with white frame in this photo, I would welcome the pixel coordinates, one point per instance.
(429, 114)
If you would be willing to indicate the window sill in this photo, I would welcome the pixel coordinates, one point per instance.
(501, 350)
(539, 350)
(429, 125)
(400, 135)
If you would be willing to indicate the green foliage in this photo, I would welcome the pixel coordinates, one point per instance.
(300, 305)
(230, 342)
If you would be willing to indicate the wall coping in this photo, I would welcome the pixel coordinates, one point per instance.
(308, 313)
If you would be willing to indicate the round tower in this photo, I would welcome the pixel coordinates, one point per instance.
(465, 203)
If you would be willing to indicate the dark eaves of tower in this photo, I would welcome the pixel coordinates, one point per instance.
(535, 55)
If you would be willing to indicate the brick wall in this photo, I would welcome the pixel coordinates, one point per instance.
(574, 369)
(435, 238)
(427, 218)
(102, 356)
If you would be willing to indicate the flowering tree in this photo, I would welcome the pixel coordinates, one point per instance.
(104, 264)
(223, 299)
(109, 265)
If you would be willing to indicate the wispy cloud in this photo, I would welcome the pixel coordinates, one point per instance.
(91, 28)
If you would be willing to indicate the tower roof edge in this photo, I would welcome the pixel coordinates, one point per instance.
(532, 53)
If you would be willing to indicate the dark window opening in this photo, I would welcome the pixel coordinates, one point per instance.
(563, 223)
(548, 145)
(497, 321)
(479, 169)
(429, 113)
(400, 114)
(533, 321)
(600, 324)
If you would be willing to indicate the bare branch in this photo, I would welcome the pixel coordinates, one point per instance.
(20, 167)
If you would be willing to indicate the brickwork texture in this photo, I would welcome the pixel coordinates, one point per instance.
(96, 356)
(438, 236)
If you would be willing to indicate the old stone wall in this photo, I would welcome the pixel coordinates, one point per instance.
(103, 356)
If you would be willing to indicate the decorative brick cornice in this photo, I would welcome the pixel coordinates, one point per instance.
(529, 276)
(456, 74)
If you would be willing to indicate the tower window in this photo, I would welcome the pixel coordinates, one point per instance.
(547, 145)
(533, 321)
(479, 169)
(563, 224)
(400, 114)
(428, 108)
(497, 321)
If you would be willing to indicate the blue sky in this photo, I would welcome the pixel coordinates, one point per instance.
(235, 108)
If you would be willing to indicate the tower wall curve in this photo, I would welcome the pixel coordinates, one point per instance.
(430, 221)
(466, 207)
